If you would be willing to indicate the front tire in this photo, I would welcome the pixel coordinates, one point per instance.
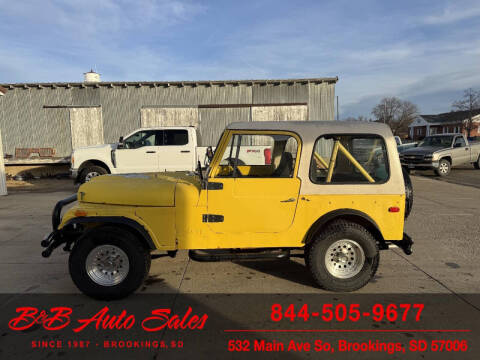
(90, 172)
(108, 263)
(444, 167)
(343, 257)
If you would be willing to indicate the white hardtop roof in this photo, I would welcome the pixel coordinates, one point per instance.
(308, 129)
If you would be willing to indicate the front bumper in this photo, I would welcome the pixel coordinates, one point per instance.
(430, 165)
(58, 237)
(73, 174)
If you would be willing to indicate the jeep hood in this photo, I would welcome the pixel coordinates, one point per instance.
(150, 189)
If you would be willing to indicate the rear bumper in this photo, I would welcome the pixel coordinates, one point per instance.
(405, 244)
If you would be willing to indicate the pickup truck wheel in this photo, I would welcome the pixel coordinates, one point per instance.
(108, 263)
(444, 167)
(343, 257)
(90, 172)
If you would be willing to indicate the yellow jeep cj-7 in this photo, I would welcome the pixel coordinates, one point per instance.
(331, 192)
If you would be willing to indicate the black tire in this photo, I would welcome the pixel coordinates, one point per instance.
(339, 230)
(408, 192)
(86, 173)
(138, 257)
(444, 167)
(477, 163)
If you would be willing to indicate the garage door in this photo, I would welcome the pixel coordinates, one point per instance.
(280, 113)
(169, 116)
(86, 126)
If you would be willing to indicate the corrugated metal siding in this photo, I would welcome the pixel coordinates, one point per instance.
(85, 96)
(86, 126)
(321, 101)
(59, 134)
(277, 94)
(3, 184)
(224, 94)
(174, 95)
(119, 116)
(212, 122)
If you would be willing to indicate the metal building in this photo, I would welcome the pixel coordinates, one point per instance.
(3, 183)
(64, 116)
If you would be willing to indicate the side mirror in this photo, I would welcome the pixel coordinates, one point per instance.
(120, 143)
(209, 154)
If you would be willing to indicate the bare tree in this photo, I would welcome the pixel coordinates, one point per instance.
(397, 113)
(359, 118)
(469, 102)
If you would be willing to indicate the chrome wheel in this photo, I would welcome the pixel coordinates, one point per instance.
(107, 265)
(443, 167)
(91, 175)
(344, 259)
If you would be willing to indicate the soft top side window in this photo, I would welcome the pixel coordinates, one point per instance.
(349, 159)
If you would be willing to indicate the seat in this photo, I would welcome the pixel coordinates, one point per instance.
(285, 167)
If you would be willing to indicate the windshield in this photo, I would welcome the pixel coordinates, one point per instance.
(443, 141)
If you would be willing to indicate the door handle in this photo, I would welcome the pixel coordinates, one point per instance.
(185, 151)
(288, 200)
(151, 152)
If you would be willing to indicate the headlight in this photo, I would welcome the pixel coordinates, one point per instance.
(428, 157)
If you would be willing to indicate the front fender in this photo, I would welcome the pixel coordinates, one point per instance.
(129, 217)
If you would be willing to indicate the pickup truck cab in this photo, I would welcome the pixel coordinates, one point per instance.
(333, 193)
(149, 150)
(441, 153)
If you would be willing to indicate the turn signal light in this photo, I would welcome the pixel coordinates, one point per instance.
(394, 209)
(80, 213)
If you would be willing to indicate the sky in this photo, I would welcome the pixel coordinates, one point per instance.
(426, 52)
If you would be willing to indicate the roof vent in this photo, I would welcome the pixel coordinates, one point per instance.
(91, 77)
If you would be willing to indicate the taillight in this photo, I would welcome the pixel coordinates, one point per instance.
(394, 209)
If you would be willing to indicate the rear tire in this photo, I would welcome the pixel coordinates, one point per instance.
(90, 172)
(108, 263)
(444, 167)
(343, 257)
(408, 192)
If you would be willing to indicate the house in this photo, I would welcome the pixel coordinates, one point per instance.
(451, 122)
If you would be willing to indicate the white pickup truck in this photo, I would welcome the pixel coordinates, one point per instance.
(152, 150)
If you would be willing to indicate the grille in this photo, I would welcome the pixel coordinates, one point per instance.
(414, 159)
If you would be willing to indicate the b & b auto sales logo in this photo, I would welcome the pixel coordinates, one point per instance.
(60, 317)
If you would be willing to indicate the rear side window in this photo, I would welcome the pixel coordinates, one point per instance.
(349, 159)
(175, 137)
